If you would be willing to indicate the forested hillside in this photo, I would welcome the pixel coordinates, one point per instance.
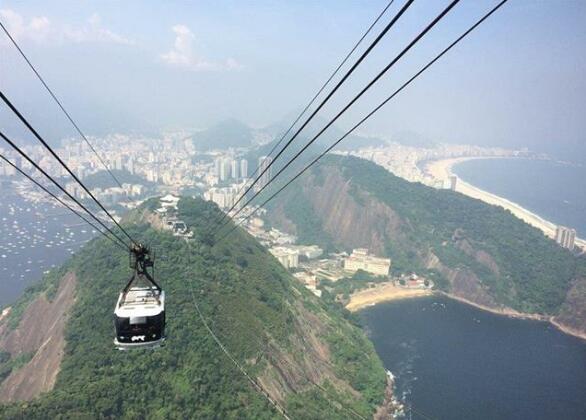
(103, 179)
(223, 135)
(471, 249)
(306, 355)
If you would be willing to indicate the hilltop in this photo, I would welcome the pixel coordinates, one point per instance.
(471, 250)
(58, 356)
(223, 135)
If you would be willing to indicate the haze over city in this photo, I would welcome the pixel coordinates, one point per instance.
(123, 67)
(302, 209)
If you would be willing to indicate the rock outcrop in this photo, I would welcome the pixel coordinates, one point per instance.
(412, 223)
(40, 333)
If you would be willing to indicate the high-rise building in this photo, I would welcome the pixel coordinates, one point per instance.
(118, 163)
(453, 182)
(153, 175)
(235, 169)
(223, 197)
(289, 258)
(81, 172)
(263, 164)
(224, 169)
(217, 166)
(566, 237)
(130, 166)
(360, 259)
(243, 168)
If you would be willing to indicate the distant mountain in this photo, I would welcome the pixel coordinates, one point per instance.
(413, 139)
(56, 348)
(473, 250)
(225, 134)
(353, 141)
(102, 179)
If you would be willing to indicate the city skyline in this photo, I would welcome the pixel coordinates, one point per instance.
(199, 64)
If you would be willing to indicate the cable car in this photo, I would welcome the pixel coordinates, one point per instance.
(139, 315)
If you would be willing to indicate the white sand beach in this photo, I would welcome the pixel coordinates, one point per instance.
(442, 170)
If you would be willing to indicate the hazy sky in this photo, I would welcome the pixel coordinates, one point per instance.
(143, 65)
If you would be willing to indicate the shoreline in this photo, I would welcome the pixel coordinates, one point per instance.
(5, 312)
(442, 169)
(382, 292)
(377, 298)
(511, 313)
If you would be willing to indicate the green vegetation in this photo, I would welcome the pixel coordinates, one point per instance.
(256, 308)
(48, 285)
(225, 134)
(534, 273)
(9, 363)
(347, 285)
(519, 266)
(102, 179)
(310, 231)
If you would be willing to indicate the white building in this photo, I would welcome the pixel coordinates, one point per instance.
(235, 169)
(243, 168)
(289, 258)
(566, 237)
(225, 168)
(169, 201)
(153, 175)
(310, 281)
(360, 259)
(281, 238)
(130, 166)
(223, 197)
(263, 165)
(217, 166)
(309, 251)
(453, 182)
(118, 163)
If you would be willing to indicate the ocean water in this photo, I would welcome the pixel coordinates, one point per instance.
(551, 190)
(454, 361)
(34, 238)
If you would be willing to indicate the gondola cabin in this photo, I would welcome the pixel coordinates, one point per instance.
(140, 318)
(139, 315)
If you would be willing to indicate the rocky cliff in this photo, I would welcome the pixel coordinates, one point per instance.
(298, 350)
(474, 251)
(39, 338)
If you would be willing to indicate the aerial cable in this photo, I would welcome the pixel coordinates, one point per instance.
(63, 203)
(325, 100)
(58, 102)
(407, 83)
(41, 170)
(320, 90)
(56, 156)
(364, 90)
(254, 383)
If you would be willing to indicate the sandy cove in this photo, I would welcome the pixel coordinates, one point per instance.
(442, 170)
(382, 292)
(388, 292)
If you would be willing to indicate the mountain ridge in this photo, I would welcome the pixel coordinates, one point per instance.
(306, 355)
(475, 251)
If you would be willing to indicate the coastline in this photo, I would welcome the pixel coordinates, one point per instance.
(383, 292)
(442, 170)
(5, 312)
(511, 313)
(387, 292)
